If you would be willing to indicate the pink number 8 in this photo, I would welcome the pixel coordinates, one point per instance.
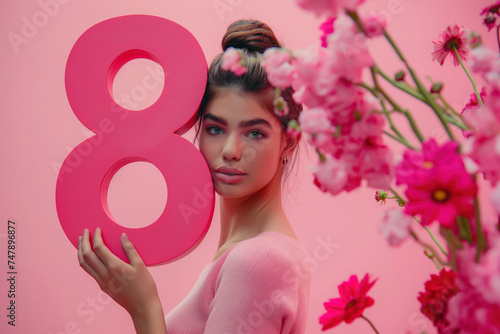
(150, 135)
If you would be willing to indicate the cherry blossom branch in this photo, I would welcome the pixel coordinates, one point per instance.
(371, 324)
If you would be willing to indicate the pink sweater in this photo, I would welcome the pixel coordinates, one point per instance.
(259, 285)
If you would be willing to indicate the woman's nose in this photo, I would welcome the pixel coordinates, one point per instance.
(232, 148)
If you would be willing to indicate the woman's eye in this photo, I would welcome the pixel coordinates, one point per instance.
(214, 130)
(256, 135)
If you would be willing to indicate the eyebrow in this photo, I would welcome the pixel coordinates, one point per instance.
(243, 124)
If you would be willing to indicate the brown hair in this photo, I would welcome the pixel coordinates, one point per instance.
(253, 38)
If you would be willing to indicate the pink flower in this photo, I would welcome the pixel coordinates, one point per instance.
(373, 25)
(351, 304)
(232, 61)
(469, 313)
(415, 165)
(293, 128)
(395, 226)
(331, 175)
(327, 28)
(348, 50)
(314, 120)
(495, 198)
(375, 162)
(483, 147)
(330, 8)
(278, 68)
(453, 37)
(280, 107)
(469, 111)
(442, 195)
(482, 60)
(489, 15)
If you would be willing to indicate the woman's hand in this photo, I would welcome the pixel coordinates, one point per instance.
(130, 285)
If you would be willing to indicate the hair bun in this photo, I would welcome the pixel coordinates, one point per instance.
(252, 35)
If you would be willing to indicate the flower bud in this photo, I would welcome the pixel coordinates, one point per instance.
(380, 196)
(400, 76)
(436, 87)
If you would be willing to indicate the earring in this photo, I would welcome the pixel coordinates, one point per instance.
(285, 160)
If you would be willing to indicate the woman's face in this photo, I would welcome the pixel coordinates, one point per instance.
(242, 144)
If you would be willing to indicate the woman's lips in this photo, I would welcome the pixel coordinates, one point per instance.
(229, 178)
(229, 175)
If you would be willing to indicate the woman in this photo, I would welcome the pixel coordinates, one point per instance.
(256, 283)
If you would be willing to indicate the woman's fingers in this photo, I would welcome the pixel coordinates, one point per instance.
(91, 260)
(84, 263)
(129, 248)
(108, 259)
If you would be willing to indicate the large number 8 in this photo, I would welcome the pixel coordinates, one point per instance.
(150, 135)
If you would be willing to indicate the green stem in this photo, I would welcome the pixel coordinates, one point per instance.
(399, 136)
(470, 78)
(371, 324)
(481, 240)
(401, 85)
(397, 195)
(429, 99)
(435, 240)
(428, 248)
(401, 140)
(396, 106)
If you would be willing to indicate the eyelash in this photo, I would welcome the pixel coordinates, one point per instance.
(209, 128)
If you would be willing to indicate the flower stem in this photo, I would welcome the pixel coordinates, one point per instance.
(429, 99)
(428, 247)
(498, 37)
(481, 240)
(470, 78)
(371, 324)
(435, 240)
(396, 106)
(401, 140)
(401, 85)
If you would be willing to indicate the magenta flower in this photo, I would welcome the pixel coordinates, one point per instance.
(395, 226)
(327, 28)
(351, 304)
(438, 291)
(415, 165)
(442, 195)
(452, 38)
(489, 15)
(232, 61)
(330, 8)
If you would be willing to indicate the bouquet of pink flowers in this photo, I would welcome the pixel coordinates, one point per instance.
(347, 120)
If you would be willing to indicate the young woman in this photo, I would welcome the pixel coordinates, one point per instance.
(256, 282)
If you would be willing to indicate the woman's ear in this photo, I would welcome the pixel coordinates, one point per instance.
(291, 143)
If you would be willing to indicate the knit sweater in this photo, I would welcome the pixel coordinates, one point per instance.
(259, 285)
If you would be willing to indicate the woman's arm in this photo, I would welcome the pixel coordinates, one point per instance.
(130, 285)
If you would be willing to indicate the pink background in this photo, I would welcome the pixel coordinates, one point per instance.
(38, 128)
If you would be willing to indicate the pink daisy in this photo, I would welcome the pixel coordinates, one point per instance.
(351, 304)
(453, 37)
(442, 195)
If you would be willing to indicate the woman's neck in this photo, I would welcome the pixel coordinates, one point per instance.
(245, 217)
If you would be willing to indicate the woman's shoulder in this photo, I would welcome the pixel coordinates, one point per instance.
(272, 251)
